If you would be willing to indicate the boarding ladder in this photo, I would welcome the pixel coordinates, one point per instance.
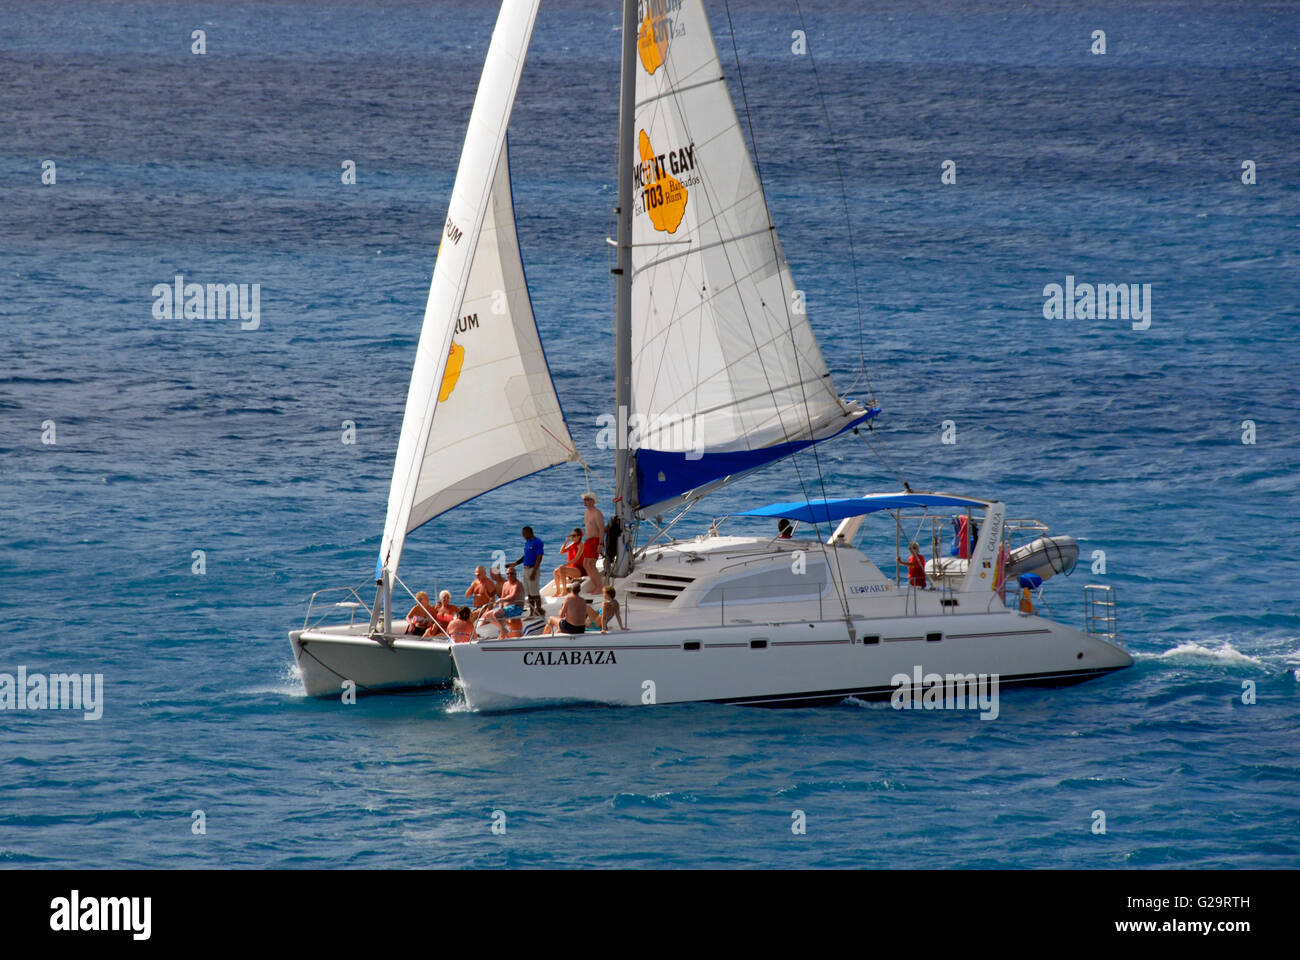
(1100, 611)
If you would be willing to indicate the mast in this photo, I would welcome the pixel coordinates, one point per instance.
(625, 463)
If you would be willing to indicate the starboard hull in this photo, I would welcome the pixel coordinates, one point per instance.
(789, 664)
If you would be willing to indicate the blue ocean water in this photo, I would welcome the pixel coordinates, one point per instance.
(185, 435)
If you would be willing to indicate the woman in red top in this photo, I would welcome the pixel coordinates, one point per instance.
(572, 547)
(443, 614)
(915, 566)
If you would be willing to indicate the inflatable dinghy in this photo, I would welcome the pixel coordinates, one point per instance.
(1044, 557)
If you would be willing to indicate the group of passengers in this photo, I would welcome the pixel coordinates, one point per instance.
(500, 599)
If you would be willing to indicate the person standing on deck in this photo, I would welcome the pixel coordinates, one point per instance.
(915, 566)
(530, 568)
(594, 522)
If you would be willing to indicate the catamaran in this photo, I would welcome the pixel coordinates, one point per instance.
(717, 374)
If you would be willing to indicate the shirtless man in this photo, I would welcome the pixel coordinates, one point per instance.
(594, 522)
(575, 613)
(482, 589)
(510, 606)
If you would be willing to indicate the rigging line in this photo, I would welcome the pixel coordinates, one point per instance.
(848, 221)
(863, 374)
(891, 464)
(777, 254)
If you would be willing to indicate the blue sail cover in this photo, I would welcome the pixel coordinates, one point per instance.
(827, 511)
(662, 476)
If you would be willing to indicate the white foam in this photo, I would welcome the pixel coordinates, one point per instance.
(1224, 653)
(289, 685)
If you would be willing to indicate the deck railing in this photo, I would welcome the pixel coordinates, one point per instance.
(331, 613)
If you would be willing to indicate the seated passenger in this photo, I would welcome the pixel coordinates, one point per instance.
(575, 613)
(514, 628)
(571, 548)
(461, 630)
(784, 529)
(443, 614)
(483, 589)
(511, 602)
(421, 616)
(610, 611)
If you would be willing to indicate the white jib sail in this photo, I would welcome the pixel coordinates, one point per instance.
(723, 357)
(481, 410)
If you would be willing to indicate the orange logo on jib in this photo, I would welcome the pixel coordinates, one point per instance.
(652, 39)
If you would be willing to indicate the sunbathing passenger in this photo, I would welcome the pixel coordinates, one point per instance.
(443, 614)
(609, 612)
(461, 630)
(483, 589)
(511, 603)
(572, 548)
(575, 613)
(421, 616)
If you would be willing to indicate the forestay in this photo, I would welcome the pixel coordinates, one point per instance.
(481, 410)
(726, 372)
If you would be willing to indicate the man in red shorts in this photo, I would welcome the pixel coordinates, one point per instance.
(594, 525)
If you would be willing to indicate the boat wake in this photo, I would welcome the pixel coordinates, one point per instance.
(1223, 653)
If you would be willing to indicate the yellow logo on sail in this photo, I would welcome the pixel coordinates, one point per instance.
(455, 360)
(662, 196)
(652, 41)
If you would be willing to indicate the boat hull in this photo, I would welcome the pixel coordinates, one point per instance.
(326, 659)
(787, 664)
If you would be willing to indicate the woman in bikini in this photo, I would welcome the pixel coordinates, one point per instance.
(420, 619)
(443, 614)
(461, 630)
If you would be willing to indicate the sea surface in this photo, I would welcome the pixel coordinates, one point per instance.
(176, 436)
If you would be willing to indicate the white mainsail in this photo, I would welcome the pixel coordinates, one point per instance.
(481, 410)
(726, 371)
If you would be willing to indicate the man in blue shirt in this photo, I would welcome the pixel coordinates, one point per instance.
(530, 566)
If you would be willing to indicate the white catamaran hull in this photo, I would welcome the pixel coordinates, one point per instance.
(326, 658)
(795, 664)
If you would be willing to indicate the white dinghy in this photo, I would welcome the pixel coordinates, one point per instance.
(717, 373)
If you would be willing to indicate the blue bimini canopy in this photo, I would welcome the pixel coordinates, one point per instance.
(826, 511)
